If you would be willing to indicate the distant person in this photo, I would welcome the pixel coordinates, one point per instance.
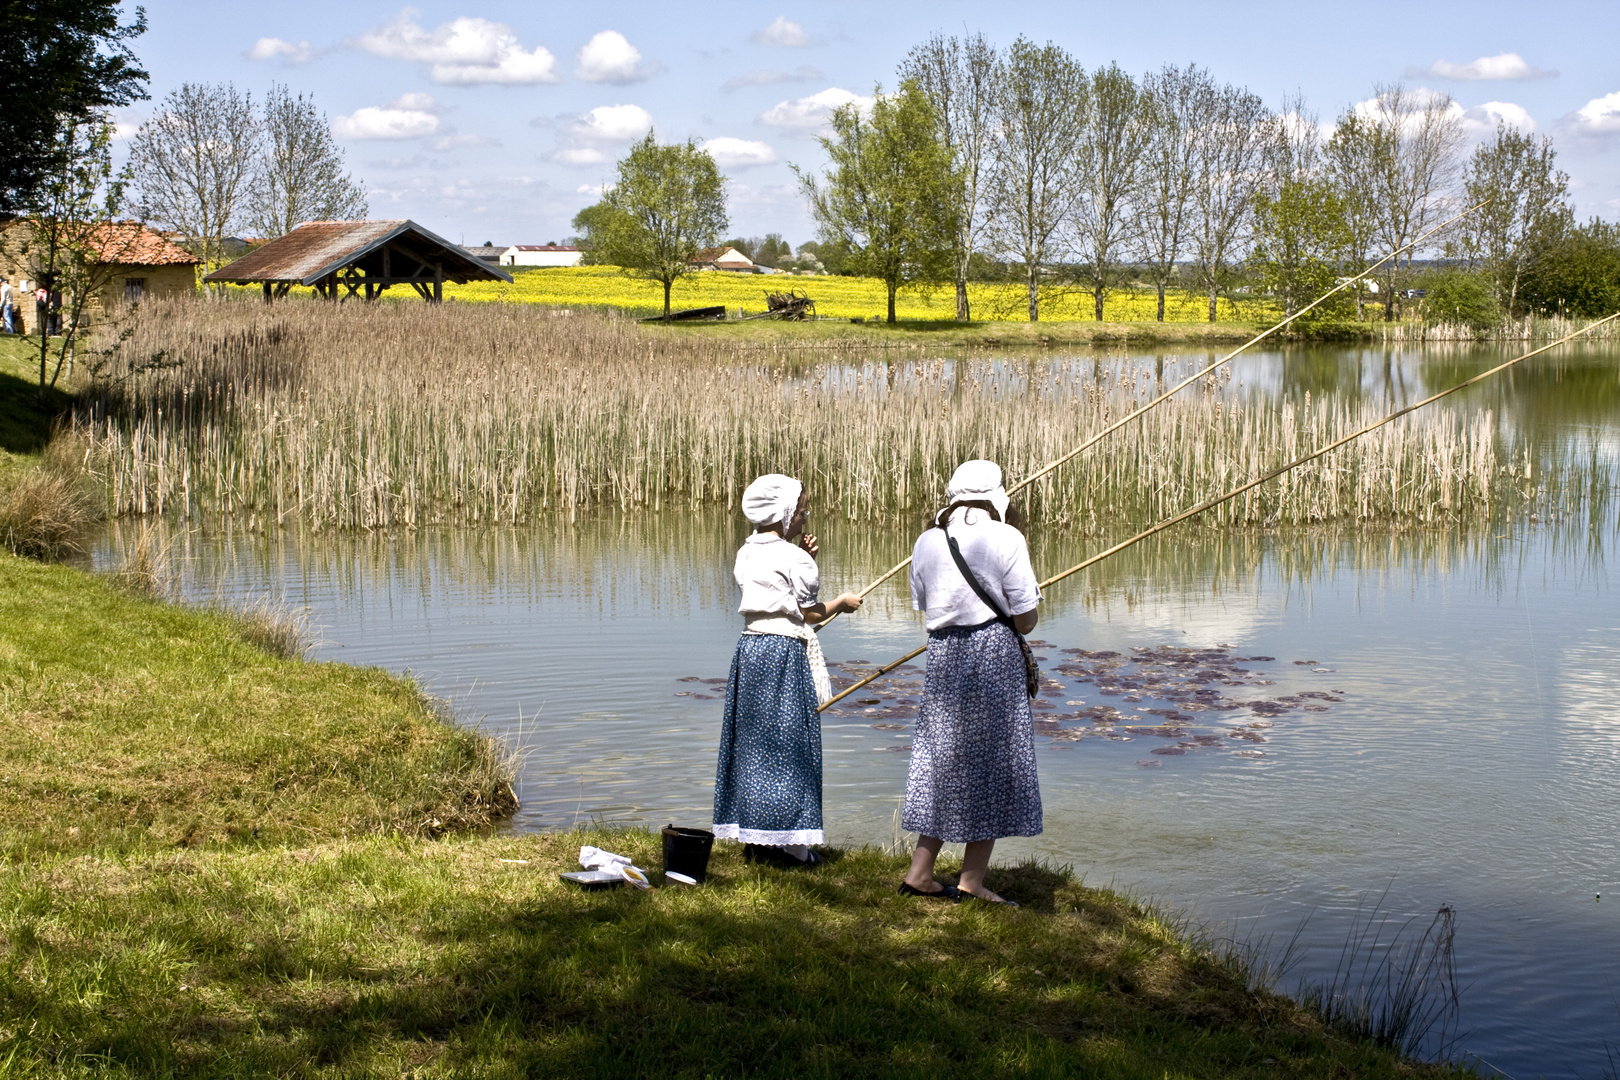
(42, 309)
(8, 317)
(972, 778)
(53, 304)
(767, 786)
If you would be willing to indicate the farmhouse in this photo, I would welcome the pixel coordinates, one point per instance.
(339, 259)
(724, 258)
(131, 263)
(541, 255)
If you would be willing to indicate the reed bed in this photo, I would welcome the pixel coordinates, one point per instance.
(399, 415)
(1529, 328)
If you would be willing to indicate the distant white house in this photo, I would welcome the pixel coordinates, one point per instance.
(541, 255)
(725, 258)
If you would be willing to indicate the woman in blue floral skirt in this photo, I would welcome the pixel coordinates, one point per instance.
(972, 778)
(767, 787)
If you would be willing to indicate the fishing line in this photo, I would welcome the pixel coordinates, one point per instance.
(1128, 417)
(1252, 484)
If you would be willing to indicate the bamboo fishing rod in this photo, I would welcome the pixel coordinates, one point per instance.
(1122, 421)
(1251, 485)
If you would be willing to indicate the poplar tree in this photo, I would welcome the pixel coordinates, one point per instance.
(1526, 208)
(889, 192)
(301, 174)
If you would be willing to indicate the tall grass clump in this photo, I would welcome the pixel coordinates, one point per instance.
(374, 416)
(46, 511)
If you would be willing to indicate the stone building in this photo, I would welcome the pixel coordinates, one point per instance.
(133, 262)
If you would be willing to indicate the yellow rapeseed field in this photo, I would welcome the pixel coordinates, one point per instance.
(839, 297)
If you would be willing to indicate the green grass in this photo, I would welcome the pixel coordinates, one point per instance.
(412, 958)
(131, 724)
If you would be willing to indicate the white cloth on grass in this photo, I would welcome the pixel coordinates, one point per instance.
(594, 858)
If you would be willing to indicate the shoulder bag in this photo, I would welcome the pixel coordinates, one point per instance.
(1032, 673)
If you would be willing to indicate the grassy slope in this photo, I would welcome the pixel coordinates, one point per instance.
(377, 958)
(131, 722)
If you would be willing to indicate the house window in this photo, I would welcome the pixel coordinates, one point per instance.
(134, 287)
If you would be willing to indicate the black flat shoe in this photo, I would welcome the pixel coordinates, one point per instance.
(765, 855)
(946, 892)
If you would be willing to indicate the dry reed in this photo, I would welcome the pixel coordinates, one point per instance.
(400, 415)
(46, 512)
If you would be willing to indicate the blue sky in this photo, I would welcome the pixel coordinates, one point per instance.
(497, 121)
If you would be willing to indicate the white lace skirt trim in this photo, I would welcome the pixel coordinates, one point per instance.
(769, 837)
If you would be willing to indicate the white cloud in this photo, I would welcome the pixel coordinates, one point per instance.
(1419, 97)
(733, 153)
(1481, 120)
(579, 155)
(806, 115)
(609, 58)
(803, 73)
(270, 48)
(462, 52)
(409, 116)
(781, 32)
(611, 124)
(1600, 116)
(591, 189)
(1503, 67)
(462, 141)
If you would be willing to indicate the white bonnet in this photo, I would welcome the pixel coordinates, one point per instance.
(976, 480)
(771, 499)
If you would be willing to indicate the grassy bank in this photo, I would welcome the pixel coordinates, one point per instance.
(386, 416)
(132, 723)
(469, 958)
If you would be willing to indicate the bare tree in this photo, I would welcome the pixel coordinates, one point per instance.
(959, 77)
(1112, 155)
(1350, 160)
(1232, 135)
(1415, 165)
(195, 163)
(1170, 103)
(1040, 113)
(1526, 207)
(301, 177)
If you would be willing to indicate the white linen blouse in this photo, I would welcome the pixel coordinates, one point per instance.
(995, 552)
(776, 577)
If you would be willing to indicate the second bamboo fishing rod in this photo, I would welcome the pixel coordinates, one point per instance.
(1210, 504)
(1182, 385)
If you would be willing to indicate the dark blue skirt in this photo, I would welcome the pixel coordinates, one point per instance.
(972, 773)
(767, 787)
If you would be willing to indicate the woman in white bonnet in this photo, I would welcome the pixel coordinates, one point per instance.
(972, 778)
(767, 787)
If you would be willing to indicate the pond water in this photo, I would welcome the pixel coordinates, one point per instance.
(1292, 728)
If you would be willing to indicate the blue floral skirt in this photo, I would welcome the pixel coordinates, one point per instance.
(767, 787)
(972, 773)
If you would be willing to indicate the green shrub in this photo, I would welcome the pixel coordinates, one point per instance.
(1463, 298)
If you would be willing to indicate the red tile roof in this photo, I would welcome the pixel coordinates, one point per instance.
(129, 243)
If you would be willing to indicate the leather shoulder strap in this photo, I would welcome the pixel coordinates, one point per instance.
(961, 564)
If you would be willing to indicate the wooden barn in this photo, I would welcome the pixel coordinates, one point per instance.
(358, 259)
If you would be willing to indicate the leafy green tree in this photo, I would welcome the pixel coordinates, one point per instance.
(1461, 297)
(959, 76)
(1172, 100)
(667, 204)
(1352, 159)
(1580, 273)
(1231, 139)
(889, 190)
(1301, 241)
(1526, 208)
(61, 63)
